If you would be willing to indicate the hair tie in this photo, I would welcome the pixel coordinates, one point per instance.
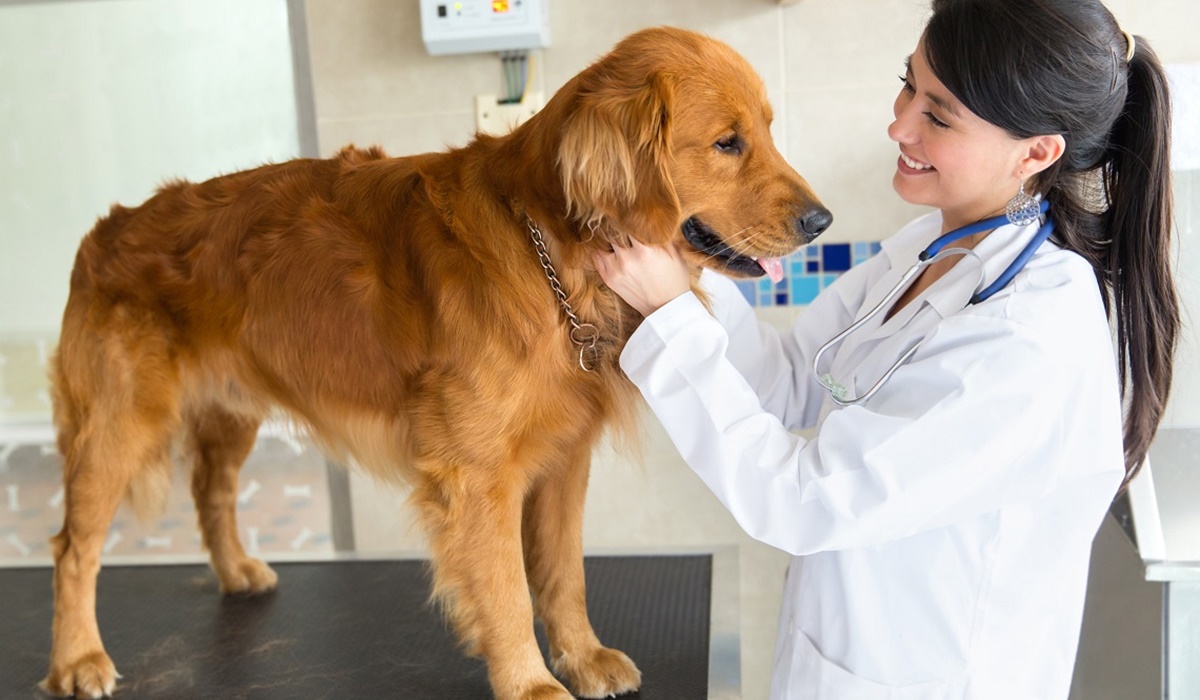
(1129, 41)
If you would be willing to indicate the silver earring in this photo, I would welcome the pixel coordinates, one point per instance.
(1022, 209)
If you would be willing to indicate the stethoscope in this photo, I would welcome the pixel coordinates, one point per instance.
(936, 251)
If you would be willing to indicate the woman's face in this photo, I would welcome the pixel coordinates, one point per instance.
(950, 158)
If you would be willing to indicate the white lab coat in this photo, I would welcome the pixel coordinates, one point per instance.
(941, 531)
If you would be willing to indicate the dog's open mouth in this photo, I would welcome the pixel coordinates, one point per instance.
(708, 242)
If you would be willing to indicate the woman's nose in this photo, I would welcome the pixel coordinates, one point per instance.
(901, 129)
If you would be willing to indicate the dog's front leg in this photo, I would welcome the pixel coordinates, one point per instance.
(474, 520)
(553, 541)
(220, 443)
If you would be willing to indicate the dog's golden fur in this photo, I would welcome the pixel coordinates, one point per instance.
(396, 307)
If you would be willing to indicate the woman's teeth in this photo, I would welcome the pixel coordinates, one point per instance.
(915, 164)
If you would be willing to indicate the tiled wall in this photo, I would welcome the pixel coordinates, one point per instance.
(806, 273)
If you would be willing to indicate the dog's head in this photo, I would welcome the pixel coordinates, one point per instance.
(668, 141)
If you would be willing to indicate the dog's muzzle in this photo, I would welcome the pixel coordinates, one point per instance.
(708, 242)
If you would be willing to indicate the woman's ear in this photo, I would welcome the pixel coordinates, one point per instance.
(1043, 152)
(614, 159)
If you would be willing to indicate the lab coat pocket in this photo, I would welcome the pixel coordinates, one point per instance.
(811, 676)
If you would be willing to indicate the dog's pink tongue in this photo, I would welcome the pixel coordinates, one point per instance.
(773, 268)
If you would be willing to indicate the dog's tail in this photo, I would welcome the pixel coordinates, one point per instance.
(149, 490)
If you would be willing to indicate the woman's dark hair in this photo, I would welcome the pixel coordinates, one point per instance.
(1039, 67)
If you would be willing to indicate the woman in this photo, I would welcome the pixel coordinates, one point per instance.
(941, 523)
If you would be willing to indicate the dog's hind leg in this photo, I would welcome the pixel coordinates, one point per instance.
(553, 542)
(473, 517)
(116, 406)
(79, 664)
(219, 442)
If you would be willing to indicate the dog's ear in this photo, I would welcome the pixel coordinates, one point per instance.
(614, 160)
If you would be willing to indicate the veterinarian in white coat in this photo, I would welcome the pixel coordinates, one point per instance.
(941, 528)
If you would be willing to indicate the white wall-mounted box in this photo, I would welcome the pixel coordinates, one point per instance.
(479, 26)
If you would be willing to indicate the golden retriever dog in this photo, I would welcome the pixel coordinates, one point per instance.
(401, 310)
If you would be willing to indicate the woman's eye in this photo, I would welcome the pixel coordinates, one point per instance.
(936, 122)
(908, 87)
(729, 144)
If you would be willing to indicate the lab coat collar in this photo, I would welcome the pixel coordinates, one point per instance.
(903, 247)
(901, 250)
(950, 294)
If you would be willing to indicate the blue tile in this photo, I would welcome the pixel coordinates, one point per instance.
(836, 257)
(861, 249)
(828, 280)
(781, 299)
(805, 289)
(813, 267)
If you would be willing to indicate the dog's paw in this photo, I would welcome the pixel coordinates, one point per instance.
(600, 673)
(93, 676)
(246, 576)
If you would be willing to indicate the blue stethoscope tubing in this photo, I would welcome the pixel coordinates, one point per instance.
(936, 250)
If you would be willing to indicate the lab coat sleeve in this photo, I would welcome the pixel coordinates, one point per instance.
(775, 364)
(942, 440)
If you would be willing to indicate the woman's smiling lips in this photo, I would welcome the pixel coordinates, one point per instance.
(911, 166)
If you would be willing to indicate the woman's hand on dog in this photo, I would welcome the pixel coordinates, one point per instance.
(645, 277)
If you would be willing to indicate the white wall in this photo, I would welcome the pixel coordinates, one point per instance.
(101, 102)
(1183, 408)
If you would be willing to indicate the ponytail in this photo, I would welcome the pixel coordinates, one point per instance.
(1137, 271)
(1067, 73)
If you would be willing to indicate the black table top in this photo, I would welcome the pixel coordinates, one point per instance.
(342, 629)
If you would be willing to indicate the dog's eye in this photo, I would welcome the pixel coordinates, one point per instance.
(730, 144)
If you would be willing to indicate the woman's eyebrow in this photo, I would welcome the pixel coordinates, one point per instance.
(938, 100)
(943, 103)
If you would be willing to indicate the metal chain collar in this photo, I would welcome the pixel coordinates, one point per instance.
(582, 334)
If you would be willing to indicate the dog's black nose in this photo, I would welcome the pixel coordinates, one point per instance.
(814, 222)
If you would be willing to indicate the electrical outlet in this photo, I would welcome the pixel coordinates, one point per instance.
(497, 119)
